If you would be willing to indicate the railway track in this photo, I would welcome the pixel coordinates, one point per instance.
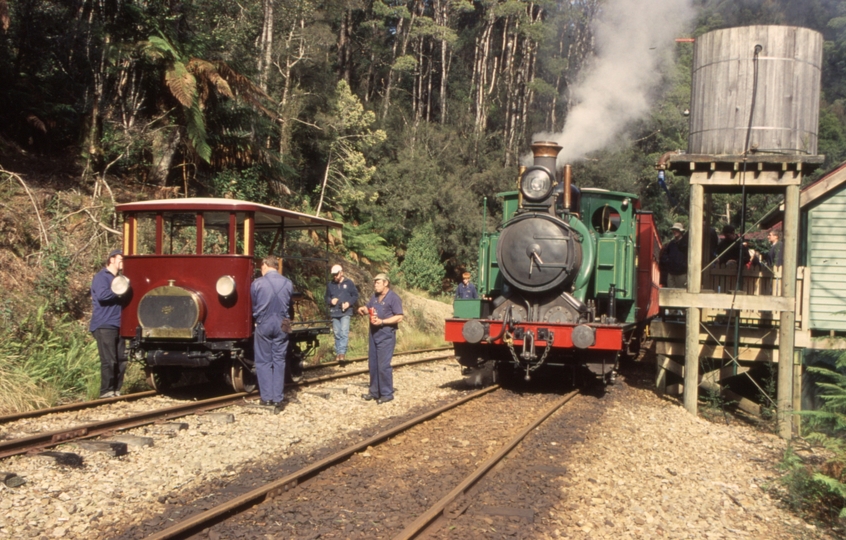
(5, 419)
(42, 441)
(452, 500)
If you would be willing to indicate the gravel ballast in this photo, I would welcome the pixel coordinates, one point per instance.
(640, 468)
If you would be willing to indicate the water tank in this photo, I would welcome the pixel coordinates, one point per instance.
(785, 105)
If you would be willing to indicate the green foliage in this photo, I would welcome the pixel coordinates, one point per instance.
(422, 267)
(245, 185)
(363, 243)
(351, 134)
(52, 283)
(821, 487)
(54, 359)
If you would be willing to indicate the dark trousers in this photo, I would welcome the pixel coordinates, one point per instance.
(112, 351)
(270, 347)
(379, 355)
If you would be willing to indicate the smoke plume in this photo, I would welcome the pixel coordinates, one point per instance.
(633, 37)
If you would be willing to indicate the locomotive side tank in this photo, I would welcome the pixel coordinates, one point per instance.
(564, 280)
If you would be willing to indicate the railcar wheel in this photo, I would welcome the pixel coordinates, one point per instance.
(243, 378)
(161, 379)
(294, 368)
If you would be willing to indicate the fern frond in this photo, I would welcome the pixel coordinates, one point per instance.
(182, 84)
(196, 128)
(203, 69)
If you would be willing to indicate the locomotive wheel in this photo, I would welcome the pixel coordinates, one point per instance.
(243, 379)
(161, 379)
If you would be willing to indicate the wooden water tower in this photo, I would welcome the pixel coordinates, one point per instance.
(753, 129)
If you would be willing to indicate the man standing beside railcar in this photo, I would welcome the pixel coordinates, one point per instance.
(271, 296)
(341, 296)
(385, 311)
(105, 326)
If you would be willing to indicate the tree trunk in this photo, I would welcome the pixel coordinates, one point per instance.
(165, 143)
(344, 46)
(265, 44)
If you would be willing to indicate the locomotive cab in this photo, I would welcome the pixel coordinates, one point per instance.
(188, 267)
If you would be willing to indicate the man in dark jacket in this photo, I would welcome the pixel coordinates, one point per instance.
(730, 246)
(271, 296)
(341, 296)
(466, 290)
(775, 256)
(105, 326)
(673, 259)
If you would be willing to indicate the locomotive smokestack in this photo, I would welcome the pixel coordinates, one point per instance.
(546, 154)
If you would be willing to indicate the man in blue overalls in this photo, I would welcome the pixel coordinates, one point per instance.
(385, 311)
(271, 296)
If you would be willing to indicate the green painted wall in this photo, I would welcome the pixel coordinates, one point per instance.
(826, 256)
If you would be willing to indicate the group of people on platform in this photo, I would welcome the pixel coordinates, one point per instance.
(271, 300)
(730, 251)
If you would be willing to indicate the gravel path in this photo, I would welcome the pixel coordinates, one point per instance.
(635, 466)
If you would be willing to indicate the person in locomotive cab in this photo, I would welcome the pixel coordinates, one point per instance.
(673, 259)
(105, 326)
(465, 289)
(271, 296)
(385, 311)
(341, 296)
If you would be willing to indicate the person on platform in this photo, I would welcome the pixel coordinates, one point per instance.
(465, 289)
(105, 326)
(673, 258)
(341, 296)
(385, 312)
(271, 296)
(731, 247)
(775, 256)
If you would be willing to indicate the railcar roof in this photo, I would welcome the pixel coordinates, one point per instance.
(266, 216)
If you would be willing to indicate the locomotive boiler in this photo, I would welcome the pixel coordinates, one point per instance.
(569, 279)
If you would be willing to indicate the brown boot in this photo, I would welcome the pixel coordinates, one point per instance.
(342, 357)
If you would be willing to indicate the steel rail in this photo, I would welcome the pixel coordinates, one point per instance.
(194, 524)
(149, 393)
(74, 406)
(45, 440)
(436, 511)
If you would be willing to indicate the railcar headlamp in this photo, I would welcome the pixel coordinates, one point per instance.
(120, 285)
(536, 184)
(225, 286)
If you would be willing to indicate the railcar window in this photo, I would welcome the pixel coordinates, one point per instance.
(145, 234)
(216, 233)
(180, 234)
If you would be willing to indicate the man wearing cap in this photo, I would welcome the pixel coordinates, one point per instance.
(673, 259)
(105, 326)
(385, 310)
(729, 247)
(341, 296)
(271, 296)
(466, 290)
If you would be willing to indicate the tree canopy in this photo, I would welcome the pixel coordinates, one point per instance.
(394, 114)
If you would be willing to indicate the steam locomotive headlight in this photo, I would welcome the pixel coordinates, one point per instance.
(120, 285)
(536, 184)
(225, 286)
